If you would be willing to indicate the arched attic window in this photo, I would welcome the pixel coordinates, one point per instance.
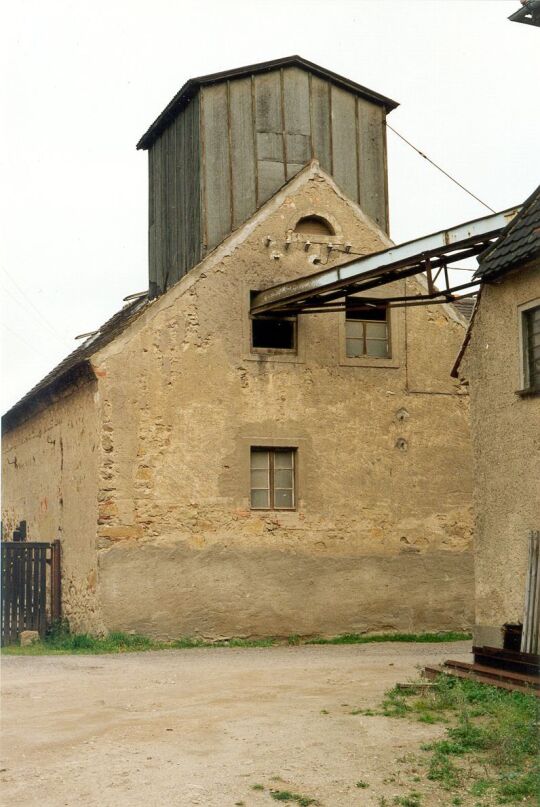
(314, 225)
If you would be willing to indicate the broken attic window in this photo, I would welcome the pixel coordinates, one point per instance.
(273, 333)
(366, 329)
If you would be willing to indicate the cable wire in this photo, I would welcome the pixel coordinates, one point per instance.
(66, 341)
(438, 167)
(25, 342)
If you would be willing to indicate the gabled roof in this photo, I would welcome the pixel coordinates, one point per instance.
(518, 243)
(74, 369)
(192, 86)
(77, 369)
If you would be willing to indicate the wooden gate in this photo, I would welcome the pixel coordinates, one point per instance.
(31, 595)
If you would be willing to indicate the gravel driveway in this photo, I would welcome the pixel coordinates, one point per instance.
(202, 726)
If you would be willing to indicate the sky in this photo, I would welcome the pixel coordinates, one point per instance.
(82, 81)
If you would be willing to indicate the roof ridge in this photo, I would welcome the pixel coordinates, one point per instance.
(192, 85)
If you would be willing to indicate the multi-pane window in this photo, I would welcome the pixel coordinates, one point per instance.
(366, 329)
(272, 479)
(531, 348)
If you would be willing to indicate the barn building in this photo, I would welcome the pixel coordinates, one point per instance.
(213, 474)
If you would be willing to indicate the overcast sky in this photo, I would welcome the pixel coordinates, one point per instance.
(82, 81)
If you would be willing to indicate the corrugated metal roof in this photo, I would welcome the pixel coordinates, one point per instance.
(75, 368)
(191, 87)
(518, 243)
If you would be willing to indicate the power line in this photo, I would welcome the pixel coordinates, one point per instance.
(438, 167)
(40, 322)
(25, 342)
(37, 312)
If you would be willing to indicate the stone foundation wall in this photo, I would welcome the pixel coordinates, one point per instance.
(221, 591)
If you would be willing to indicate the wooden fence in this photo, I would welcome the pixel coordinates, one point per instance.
(31, 587)
(531, 628)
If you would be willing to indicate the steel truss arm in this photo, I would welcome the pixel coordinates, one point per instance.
(318, 292)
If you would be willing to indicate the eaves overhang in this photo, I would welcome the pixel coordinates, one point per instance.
(72, 378)
(75, 370)
(528, 14)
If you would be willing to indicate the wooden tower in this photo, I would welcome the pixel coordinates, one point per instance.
(228, 141)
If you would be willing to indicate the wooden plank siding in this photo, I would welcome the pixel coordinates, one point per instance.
(344, 141)
(269, 135)
(174, 242)
(320, 123)
(189, 171)
(372, 161)
(296, 119)
(216, 169)
(171, 232)
(237, 142)
(151, 218)
(243, 157)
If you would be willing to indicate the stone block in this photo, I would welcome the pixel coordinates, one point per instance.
(28, 637)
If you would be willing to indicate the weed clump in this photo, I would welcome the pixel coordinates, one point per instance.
(412, 800)
(495, 731)
(286, 795)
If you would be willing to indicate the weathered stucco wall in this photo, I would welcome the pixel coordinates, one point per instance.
(381, 537)
(49, 478)
(506, 439)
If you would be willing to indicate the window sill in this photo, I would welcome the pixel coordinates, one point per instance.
(367, 361)
(273, 509)
(262, 355)
(273, 351)
(528, 393)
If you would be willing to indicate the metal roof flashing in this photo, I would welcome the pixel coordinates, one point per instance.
(192, 86)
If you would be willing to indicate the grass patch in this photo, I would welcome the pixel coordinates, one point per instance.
(286, 795)
(412, 800)
(361, 638)
(64, 643)
(362, 784)
(491, 742)
(61, 642)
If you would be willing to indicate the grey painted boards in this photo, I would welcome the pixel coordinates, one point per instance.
(174, 243)
(372, 162)
(344, 141)
(235, 139)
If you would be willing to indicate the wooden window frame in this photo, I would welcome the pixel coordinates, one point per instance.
(278, 351)
(272, 451)
(365, 322)
(527, 387)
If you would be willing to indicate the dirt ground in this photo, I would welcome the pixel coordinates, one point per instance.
(201, 727)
